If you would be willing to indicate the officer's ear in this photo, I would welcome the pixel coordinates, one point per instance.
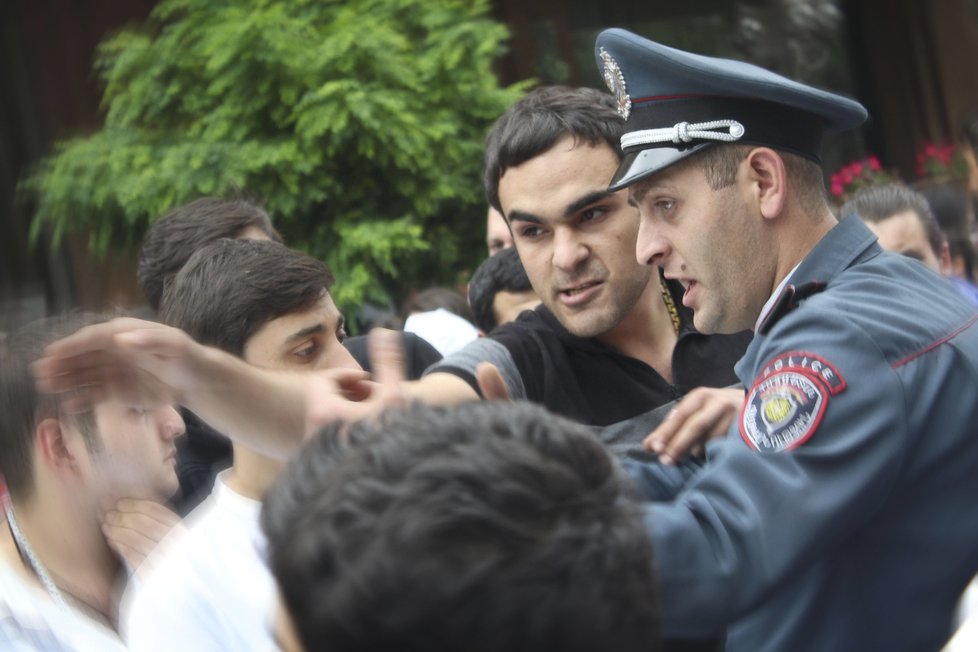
(767, 181)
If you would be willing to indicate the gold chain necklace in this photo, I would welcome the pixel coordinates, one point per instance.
(670, 303)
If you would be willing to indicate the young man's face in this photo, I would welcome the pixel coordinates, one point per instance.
(135, 454)
(904, 234)
(707, 240)
(307, 339)
(575, 239)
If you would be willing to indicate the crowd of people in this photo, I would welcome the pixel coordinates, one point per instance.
(688, 405)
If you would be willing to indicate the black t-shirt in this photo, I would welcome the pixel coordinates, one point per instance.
(589, 381)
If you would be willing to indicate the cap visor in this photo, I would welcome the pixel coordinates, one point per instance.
(644, 163)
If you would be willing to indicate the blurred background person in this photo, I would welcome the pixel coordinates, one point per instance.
(442, 317)
(60, 577)
(954, 212)
(902, 220)
(498, 235)
(500, 290)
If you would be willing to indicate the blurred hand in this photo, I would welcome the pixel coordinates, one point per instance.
(133, 528)
(350, 394)
(491, 382)
(131, 359)
(702, 415)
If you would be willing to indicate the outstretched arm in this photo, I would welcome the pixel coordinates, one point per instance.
(261, 408)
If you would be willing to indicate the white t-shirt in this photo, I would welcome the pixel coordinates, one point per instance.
(208, 587)
(31, 621)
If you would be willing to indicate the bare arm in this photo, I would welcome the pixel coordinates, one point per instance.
(440, 388)
(260, 408)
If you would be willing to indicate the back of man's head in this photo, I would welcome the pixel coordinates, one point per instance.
(229, 289)
(500, 273)
(535, 123)
(951, 207)
(482, 527)
(173, 238)
(22, 407)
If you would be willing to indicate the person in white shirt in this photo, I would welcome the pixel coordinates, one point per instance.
(209, 587)
(60, 577)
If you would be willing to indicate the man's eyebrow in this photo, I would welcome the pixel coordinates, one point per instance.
(586, 201)
(305, 332)
(520, 216)
(569, 211)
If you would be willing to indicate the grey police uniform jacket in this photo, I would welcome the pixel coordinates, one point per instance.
(841, 512)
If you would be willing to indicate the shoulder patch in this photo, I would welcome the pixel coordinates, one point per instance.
(782, 410)
(788, 399)
(809, 364)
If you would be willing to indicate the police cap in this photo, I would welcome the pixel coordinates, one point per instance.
(677, 103)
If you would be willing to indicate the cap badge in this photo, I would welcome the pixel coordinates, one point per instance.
(615, 80)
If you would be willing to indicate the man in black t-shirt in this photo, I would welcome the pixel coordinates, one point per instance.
(611, 340)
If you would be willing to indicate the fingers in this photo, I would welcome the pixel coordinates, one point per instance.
(123, 357)
(133, 528)
(347, 395)
(491, 382)
(386, 351)
(703, 414)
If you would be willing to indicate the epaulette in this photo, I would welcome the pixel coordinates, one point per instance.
(791, 297)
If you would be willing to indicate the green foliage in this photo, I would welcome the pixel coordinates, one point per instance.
(359, 122)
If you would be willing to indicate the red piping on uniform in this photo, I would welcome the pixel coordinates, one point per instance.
(914, 356)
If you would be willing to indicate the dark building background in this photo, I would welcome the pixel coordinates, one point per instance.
(906, 60)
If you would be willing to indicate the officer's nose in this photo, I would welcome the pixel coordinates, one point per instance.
(651, 247)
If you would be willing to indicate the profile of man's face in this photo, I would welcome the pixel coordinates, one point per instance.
(134, 453)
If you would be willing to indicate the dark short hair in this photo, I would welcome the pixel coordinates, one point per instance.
(877, 203)
(951, 207)
(953, 211)
(482, 527)
(22, 406)
(173, 238)
(500, 273)
(545, 115)
(229, 289)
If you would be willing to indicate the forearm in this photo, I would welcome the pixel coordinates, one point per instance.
(439, 388)
(260, 408)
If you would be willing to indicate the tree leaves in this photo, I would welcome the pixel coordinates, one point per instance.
(361, 123)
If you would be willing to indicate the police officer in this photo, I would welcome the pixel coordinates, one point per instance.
(840, 512)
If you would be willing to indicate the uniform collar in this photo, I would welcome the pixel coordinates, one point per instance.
(847, 242)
